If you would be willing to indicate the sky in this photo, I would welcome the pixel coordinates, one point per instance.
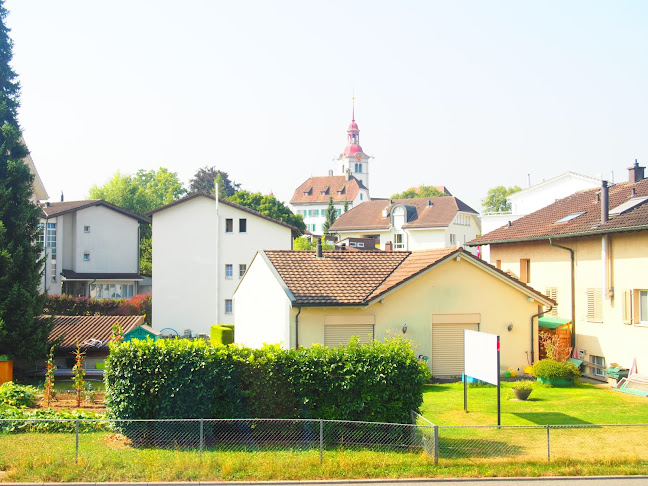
(466, 94)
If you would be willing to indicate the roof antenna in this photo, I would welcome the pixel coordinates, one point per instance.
(62, 196)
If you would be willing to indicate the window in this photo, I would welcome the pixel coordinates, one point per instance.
(242, 225)
(86, 256)
(635, 307)
(643, 307)
(358, 168)
(228, 306)
(594, 305)
(597, 365)
(339, 211)
(53, 270)
(316, 213)
(361, 196)
(242, 269)
(360, 244)
(229, 225)
(40, 239)
(525, 270)
(50, 239)
(229, 270)
(569, 217)
(398, 241)
(552, 293)
(453, 239)
(86, 229)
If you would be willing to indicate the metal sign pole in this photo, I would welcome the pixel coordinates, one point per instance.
(499, 404)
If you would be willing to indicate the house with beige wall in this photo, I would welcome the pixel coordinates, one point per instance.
(424, 223)
(202, 247)
(299, 298)
(588, 251)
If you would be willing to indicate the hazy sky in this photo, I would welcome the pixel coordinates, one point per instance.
(464, 94)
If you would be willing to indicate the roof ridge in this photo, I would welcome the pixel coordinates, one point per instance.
(409, 254)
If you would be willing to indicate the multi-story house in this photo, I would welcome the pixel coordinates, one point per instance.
(201, 249)
(91, 249)
(589, 253)
(411, 224)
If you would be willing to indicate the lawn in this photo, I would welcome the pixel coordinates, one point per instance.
(580, 405)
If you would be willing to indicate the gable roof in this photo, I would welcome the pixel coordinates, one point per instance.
(359, 278)
(311, 190)
(422, 212)
(225, 202)
(91, 332)
(53, 209)
(544, 223)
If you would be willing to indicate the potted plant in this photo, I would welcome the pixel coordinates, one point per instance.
(522, 390)
(556, 373)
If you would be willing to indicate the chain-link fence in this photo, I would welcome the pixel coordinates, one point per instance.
(446, 445)
(493, 443)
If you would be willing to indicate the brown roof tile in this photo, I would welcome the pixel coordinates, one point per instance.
(423, 212)
(311, 190)
(54, 209)
(543, 224)
(89, 331)
(342, 278)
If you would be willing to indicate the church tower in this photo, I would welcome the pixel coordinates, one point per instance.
(353, 158)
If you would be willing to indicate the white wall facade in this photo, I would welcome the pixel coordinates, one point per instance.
(540, 195)
(268, 323)
(192, 248)
(314, 214)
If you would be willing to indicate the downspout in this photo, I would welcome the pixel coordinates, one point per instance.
(297, 328)
(533, 317)
(573, 291)
(606, 289)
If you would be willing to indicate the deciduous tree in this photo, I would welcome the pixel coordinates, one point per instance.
(21, 333)
(269, 206)
(496, 200)
(204, 181)
(420, 191)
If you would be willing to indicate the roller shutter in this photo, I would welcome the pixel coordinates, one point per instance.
(337, 335)
(447, 348)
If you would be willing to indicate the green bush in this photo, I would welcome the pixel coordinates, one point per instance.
(49, 420)
(222, 334)
(549, 369)
(177, 378)
(17, 395)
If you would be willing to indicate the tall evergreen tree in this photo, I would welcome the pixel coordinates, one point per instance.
(22, 335)
(331, 216)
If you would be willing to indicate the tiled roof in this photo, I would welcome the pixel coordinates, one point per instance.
(543, 224)
(332, 186)
(356, 278)
(194, 195)
(53, 209)
(91, 332)
(422, 212)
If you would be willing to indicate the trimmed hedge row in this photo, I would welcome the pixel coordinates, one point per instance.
(222, 334)
(68, 305)
(177, 378)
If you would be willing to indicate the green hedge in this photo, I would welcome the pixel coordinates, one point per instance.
(222, 334)
(177, 378)
(549, 369)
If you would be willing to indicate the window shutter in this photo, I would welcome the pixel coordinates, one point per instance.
(627, 307)
(552, 293)
(594, 311)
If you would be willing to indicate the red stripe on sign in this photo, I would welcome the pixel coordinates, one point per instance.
(498, 346)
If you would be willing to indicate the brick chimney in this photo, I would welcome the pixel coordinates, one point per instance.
(347, 175)
(388, 246)
(636, 173)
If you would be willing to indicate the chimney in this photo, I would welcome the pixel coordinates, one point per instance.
(62, 196)
(636, 173)
(330, 172)
(318, 251)
(347, 175)
(388, 246)
(605, 208)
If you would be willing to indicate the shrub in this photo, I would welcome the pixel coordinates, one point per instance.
(67, 305)
(14, 420)
(222, 334)
(523, 385)
(17, 395)
(177, 378)
(549, 369)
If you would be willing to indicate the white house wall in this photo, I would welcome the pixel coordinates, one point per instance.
(258, 324)
(184, 267)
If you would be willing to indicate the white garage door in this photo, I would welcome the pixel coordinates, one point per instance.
(338, 335)
(447, 348)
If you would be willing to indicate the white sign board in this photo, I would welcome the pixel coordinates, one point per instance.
(481, 356)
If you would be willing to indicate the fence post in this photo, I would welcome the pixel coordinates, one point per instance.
(202, 438)
(436, 445)
(548, 446)
(321, 441)
(76, 453)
